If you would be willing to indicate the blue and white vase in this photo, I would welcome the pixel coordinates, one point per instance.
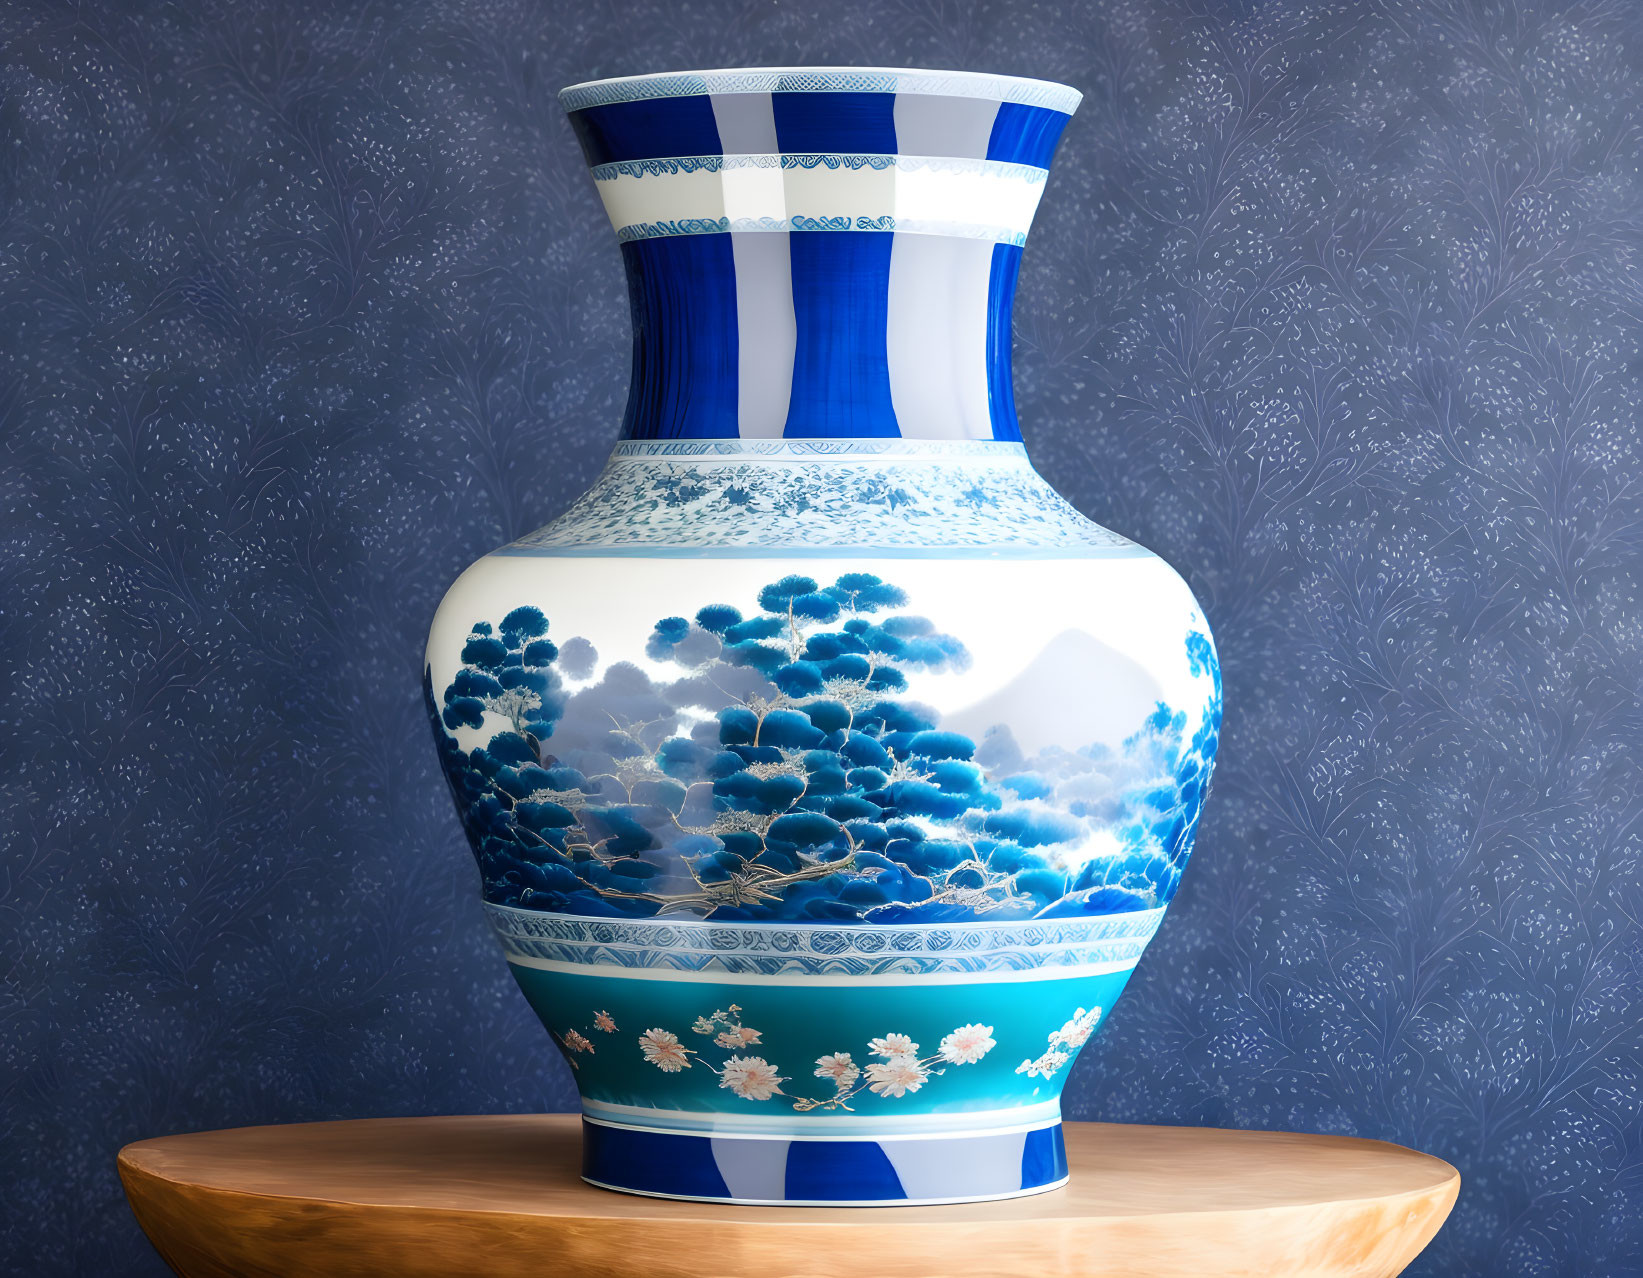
(827, 772)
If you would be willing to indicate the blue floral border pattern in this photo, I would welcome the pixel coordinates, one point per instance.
(1025, 92)
(730, 495)
(800, 222)
(818, 950)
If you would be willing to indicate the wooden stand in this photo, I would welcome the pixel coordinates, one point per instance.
(500, 1196)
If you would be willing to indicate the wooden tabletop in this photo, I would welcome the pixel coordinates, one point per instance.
(500, 1196)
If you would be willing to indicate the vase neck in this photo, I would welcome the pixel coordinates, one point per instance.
(816, 254)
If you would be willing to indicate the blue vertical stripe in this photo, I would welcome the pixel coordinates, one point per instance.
(764, 331)
(859, 123)
(682, 291)
(647, 130)
(651, 1162)
(842, 1170)
(841, 297)
(1026, 134)
(683, 1164)
(1044, 1157)
(1000, 306)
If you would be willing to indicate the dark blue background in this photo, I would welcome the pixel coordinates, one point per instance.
(1337, 306)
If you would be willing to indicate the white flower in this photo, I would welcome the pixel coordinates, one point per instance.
(664, 1051)
(703, 1025)
(577, 1042)
(839, 1067)
(1076, 1032)
(603, 1021)
(1045, 1066)
(967, 1044)
(893, 1045)
(896, 1076)
(751, 1077)
(737, 1036)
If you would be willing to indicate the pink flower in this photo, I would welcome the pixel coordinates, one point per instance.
(703, 1025)
(738, 1036)
(896, 1076)
(839, 1067)
(602, 1021)
(577, 1042)
(751, 1077)
(664, 1051)
(967, 1044)
(893, 1045)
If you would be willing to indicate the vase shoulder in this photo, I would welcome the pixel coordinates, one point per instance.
(779, 691)
(821, 498)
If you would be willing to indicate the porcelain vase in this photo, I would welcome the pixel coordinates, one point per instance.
(827, 772)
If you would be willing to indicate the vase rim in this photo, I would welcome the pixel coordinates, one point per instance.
(822, 79)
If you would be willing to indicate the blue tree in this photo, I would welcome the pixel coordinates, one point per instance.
(785, 774)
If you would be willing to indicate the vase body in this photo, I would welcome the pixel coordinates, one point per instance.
(826, 771)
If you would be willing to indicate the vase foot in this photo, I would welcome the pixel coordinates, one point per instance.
(895, 1171)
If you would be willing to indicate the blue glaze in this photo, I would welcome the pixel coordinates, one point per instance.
(699, 312)
(1026, 134)
(817, 1172)
(1044, 1157)
(841, 1171)
(854, 123)
(647, 129)
(841, 376)
(645, 1162)
(682, 294)
(1000, 305)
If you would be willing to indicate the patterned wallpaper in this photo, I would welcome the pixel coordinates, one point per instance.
(1335, 305)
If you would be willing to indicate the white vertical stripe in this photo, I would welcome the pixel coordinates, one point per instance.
(767, 332)
(937, 336)
(757, 1168)
(959, 127)
(747, 123)
(948, 1168)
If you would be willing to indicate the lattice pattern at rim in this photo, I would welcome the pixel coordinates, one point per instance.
(1005, 170)
(952, 84)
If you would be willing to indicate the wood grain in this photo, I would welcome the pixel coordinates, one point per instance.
(500, 1196)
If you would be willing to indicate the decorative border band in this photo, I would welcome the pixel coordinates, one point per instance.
(966, 198)
(799, 1172)
(898, 450)
(778, 496)
(798, 222)
(804, 161)
(773, 949)
(952, 84)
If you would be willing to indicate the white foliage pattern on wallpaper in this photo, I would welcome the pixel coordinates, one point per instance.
(1337, 306)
